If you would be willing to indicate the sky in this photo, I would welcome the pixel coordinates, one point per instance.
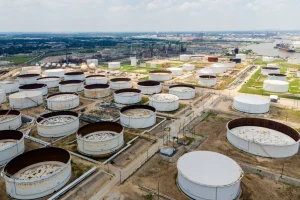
(148, 15)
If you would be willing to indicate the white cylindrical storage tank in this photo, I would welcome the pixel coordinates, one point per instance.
(96, 91)
(160, 75)
(120, 83)
(164, 102)
(268, 59)
(294, 60)
(229, 64)
(50, 81)
(185, 57)
(188, 67)
(100, 139)
(138, 116)
(57, 124)
(206, 71)
(209, 175)
(9, 86)
(128, 96)
(149, 87)
(276, 86)
(298, 74)
(153, 65)
(114, 65)
(37, 173)
(25, 99)
(71, 86)
(270, 70)
(175, 71)
(63, 101)
(55, 72)
(28, 78)
(12, 145)
(10, 119)
(207, 80)
(183, 91)
(263, 137)
(74, 76)
(280, 77)
(241, 56)
(251, 104)
(275, 65)
(34, 87)
(218, 68)
(133, 61)
(96, 79)
(2, 96)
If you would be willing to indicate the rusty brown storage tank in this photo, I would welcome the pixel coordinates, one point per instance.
(212, 59)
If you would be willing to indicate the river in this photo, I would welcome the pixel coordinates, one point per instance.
(267, 49)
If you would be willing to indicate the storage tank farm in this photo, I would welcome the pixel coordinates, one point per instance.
(22, 180)
(62, 101)
(74, 76)
(71, 86)
(2, 96)
(138, 116)
(10, 86)
(25, 79)
(175, 71)
(50, 81)
(160, 75)
(270, 70)
(10, 119)
(96, 79)
(120, 83)
(96, 91)
(280, 77)
(251, 104)
(276, 86)
(164, 102)
(100, 139)
(55, 72)
(57, 124)
(25, 99)
(34, 87)
(149, 87)
(209, 175)
(11, 145)
(183, 92)
(263, 137)
(128, 96)
(207, 80)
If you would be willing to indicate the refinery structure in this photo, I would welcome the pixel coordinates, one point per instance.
(165, 123)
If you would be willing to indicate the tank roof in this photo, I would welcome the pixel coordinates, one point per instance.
(95, 86)
(28, 75)
(74, 73)
(137, 107)
(70, 82)
(32, 86)
(99, 126)
(148, 83)
(25, 94)
(209, 169)
(119, 79)
(127, 90)
(251, 99)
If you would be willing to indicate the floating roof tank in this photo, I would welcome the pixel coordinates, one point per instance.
(175, 71)
(50, 81)
(127, 96)
(149, 87)
(57, 124)
(96, 91)
(96, 79)
(63, 101)
(270, 70)
(207, 80)
(160, 75)
(280, 77)
(34, 87)
(263, 137)
(120, 83)
(138, 116)
(74, 76)
(71, 86)
(22, 180)
(55, 72)
(9, 86)
(28, 78)
(183, 91)
(10, 119)
(164, 102)
(100, 139)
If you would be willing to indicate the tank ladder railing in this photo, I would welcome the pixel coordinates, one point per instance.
(33, 101)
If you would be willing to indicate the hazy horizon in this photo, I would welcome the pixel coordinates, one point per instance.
(84, 16)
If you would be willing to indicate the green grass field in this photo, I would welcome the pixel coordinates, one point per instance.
(255, 83)
(140, 70)
(18, 59)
